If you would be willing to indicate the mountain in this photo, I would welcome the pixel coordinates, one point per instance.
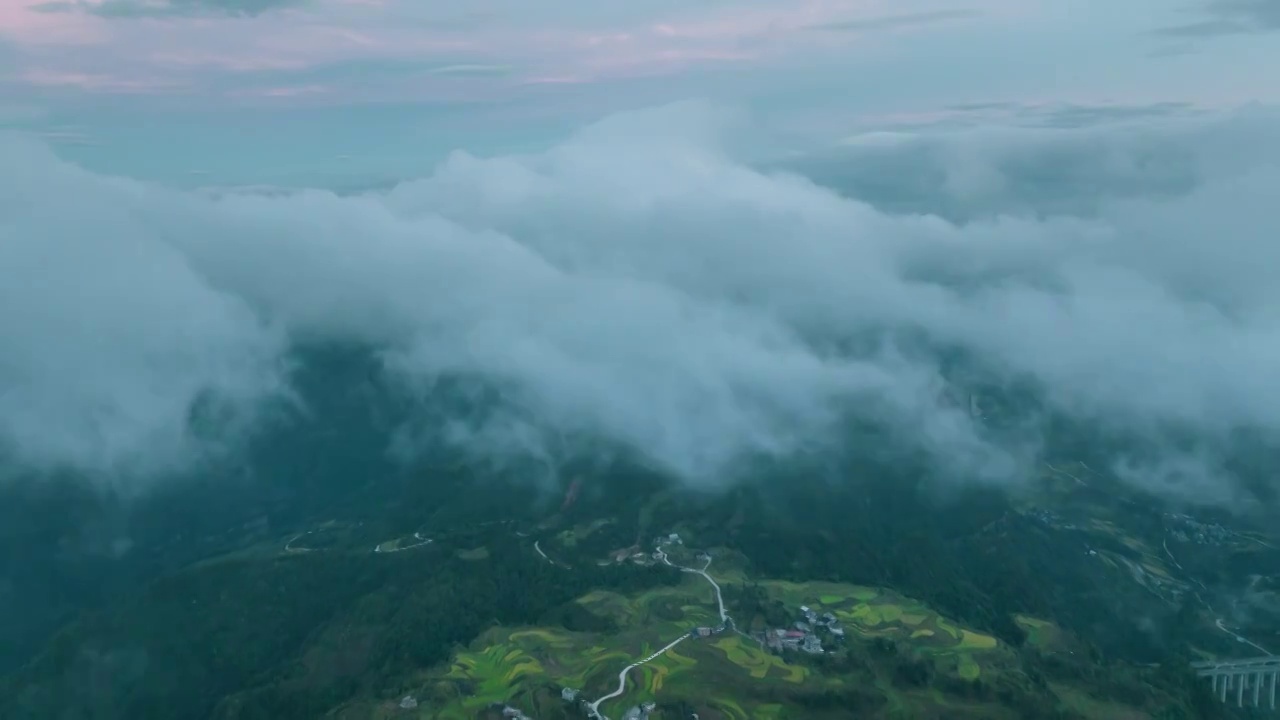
(323, 570)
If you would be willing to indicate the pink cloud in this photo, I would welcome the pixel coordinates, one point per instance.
(291, 91)
(97, 82)
(556, 80)
(188, 52)
(231, 62)
(775, 21)
(22, 24)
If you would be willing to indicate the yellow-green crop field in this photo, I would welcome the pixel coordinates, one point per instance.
(869, 613)
(727, 674)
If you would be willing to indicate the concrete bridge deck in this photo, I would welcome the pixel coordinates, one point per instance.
(1252, 674)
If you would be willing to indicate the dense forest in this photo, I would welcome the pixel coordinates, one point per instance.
(182, 598)
(248, 629)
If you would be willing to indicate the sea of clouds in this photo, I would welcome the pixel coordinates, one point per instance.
(639, 281)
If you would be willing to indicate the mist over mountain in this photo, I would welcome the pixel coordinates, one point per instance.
(877, 364)
(637, 283)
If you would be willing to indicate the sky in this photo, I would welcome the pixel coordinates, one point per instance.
(159, 88)
(703, 230)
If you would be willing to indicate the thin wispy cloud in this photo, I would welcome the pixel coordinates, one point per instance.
(474, 70)
(860, 55)
(100, 82)
(1229, 17)
(203, 45)
(899, 21)
(167, 8)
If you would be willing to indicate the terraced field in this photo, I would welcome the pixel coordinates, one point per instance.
(728, 675)
(875, 613)
(651, 678)
(524, 666)
(491, 673)
(759, 664)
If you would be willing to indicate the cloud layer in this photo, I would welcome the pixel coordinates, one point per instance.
(822, 58)
(263, 48)
(638, 281)
(167, 8)
(1231, 17)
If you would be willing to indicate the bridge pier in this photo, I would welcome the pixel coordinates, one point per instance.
(1240, 675)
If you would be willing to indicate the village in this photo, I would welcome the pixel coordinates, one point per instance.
(806, 635)
(636, 712)
(659, 555)
(1187, 529)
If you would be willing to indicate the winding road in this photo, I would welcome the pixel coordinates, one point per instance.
(1240, 638)
(1217, 622)
(594, 707)
(288, 546)
(724, 616)
(537, 545)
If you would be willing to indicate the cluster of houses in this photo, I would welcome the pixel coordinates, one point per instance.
(1188, 529)
(573, 696)
(804, 634)
(639, 712)
(1049, 519)
(409, 702)
(1042, 516)
(641, 558)
(633, 553)
(706, 632)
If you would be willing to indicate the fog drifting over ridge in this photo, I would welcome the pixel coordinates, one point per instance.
(639, 281)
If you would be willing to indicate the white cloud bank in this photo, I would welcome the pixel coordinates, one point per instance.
(638, 281)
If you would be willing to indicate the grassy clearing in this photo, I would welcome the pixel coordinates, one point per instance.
(967, 668)
(970, 640)
(1041, 634)
(568, 539)
(475, 554)
(1088, 707)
